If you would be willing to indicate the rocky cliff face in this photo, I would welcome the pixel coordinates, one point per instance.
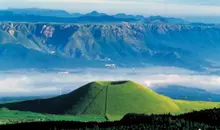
(162, 44)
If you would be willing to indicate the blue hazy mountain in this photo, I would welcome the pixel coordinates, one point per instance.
(160, 19)
(123, 15)
(17, 56)
(121, 44)
(71, 18)
(204, 19)
(23, 98)
(61, 16)
(125, 44)
(187, 93)
(39, 12)
(95, 14)
(122, 40)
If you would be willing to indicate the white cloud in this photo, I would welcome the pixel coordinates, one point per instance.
(207, 82)
(37, 83)
(23, 85)
(14, 84)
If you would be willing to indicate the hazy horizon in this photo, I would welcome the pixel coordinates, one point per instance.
(173, 8)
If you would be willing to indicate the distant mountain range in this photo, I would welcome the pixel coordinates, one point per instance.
(15, 14)
(21, 98)
(55, 38)
(187, 93)
(61, 16)
(39, 12)
(32, 44)
(62, 13)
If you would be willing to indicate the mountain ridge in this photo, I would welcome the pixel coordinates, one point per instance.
(62, 16)
(146, 44)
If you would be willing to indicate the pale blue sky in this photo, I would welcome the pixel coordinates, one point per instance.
(144, 7)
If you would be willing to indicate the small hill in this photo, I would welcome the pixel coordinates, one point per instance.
(109, 99)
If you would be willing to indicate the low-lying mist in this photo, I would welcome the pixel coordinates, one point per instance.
(55, 82)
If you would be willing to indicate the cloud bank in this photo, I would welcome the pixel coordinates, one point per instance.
(33, 83)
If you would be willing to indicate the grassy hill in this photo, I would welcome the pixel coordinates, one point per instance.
(111, 100)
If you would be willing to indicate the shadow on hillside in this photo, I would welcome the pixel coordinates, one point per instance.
(118, 82)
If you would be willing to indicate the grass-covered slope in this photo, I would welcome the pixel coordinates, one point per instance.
(189, 106)
(111, 100)
(130, 97)
(14, 116)
(74, 103)
(101, 98)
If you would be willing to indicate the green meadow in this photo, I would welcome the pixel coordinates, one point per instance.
(98, 101)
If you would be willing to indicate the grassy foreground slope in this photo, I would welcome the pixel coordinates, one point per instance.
(13, 116)
(108, 100)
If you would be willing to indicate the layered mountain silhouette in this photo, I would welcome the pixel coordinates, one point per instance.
(121, 39)
(121, 44)
(61, 16)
